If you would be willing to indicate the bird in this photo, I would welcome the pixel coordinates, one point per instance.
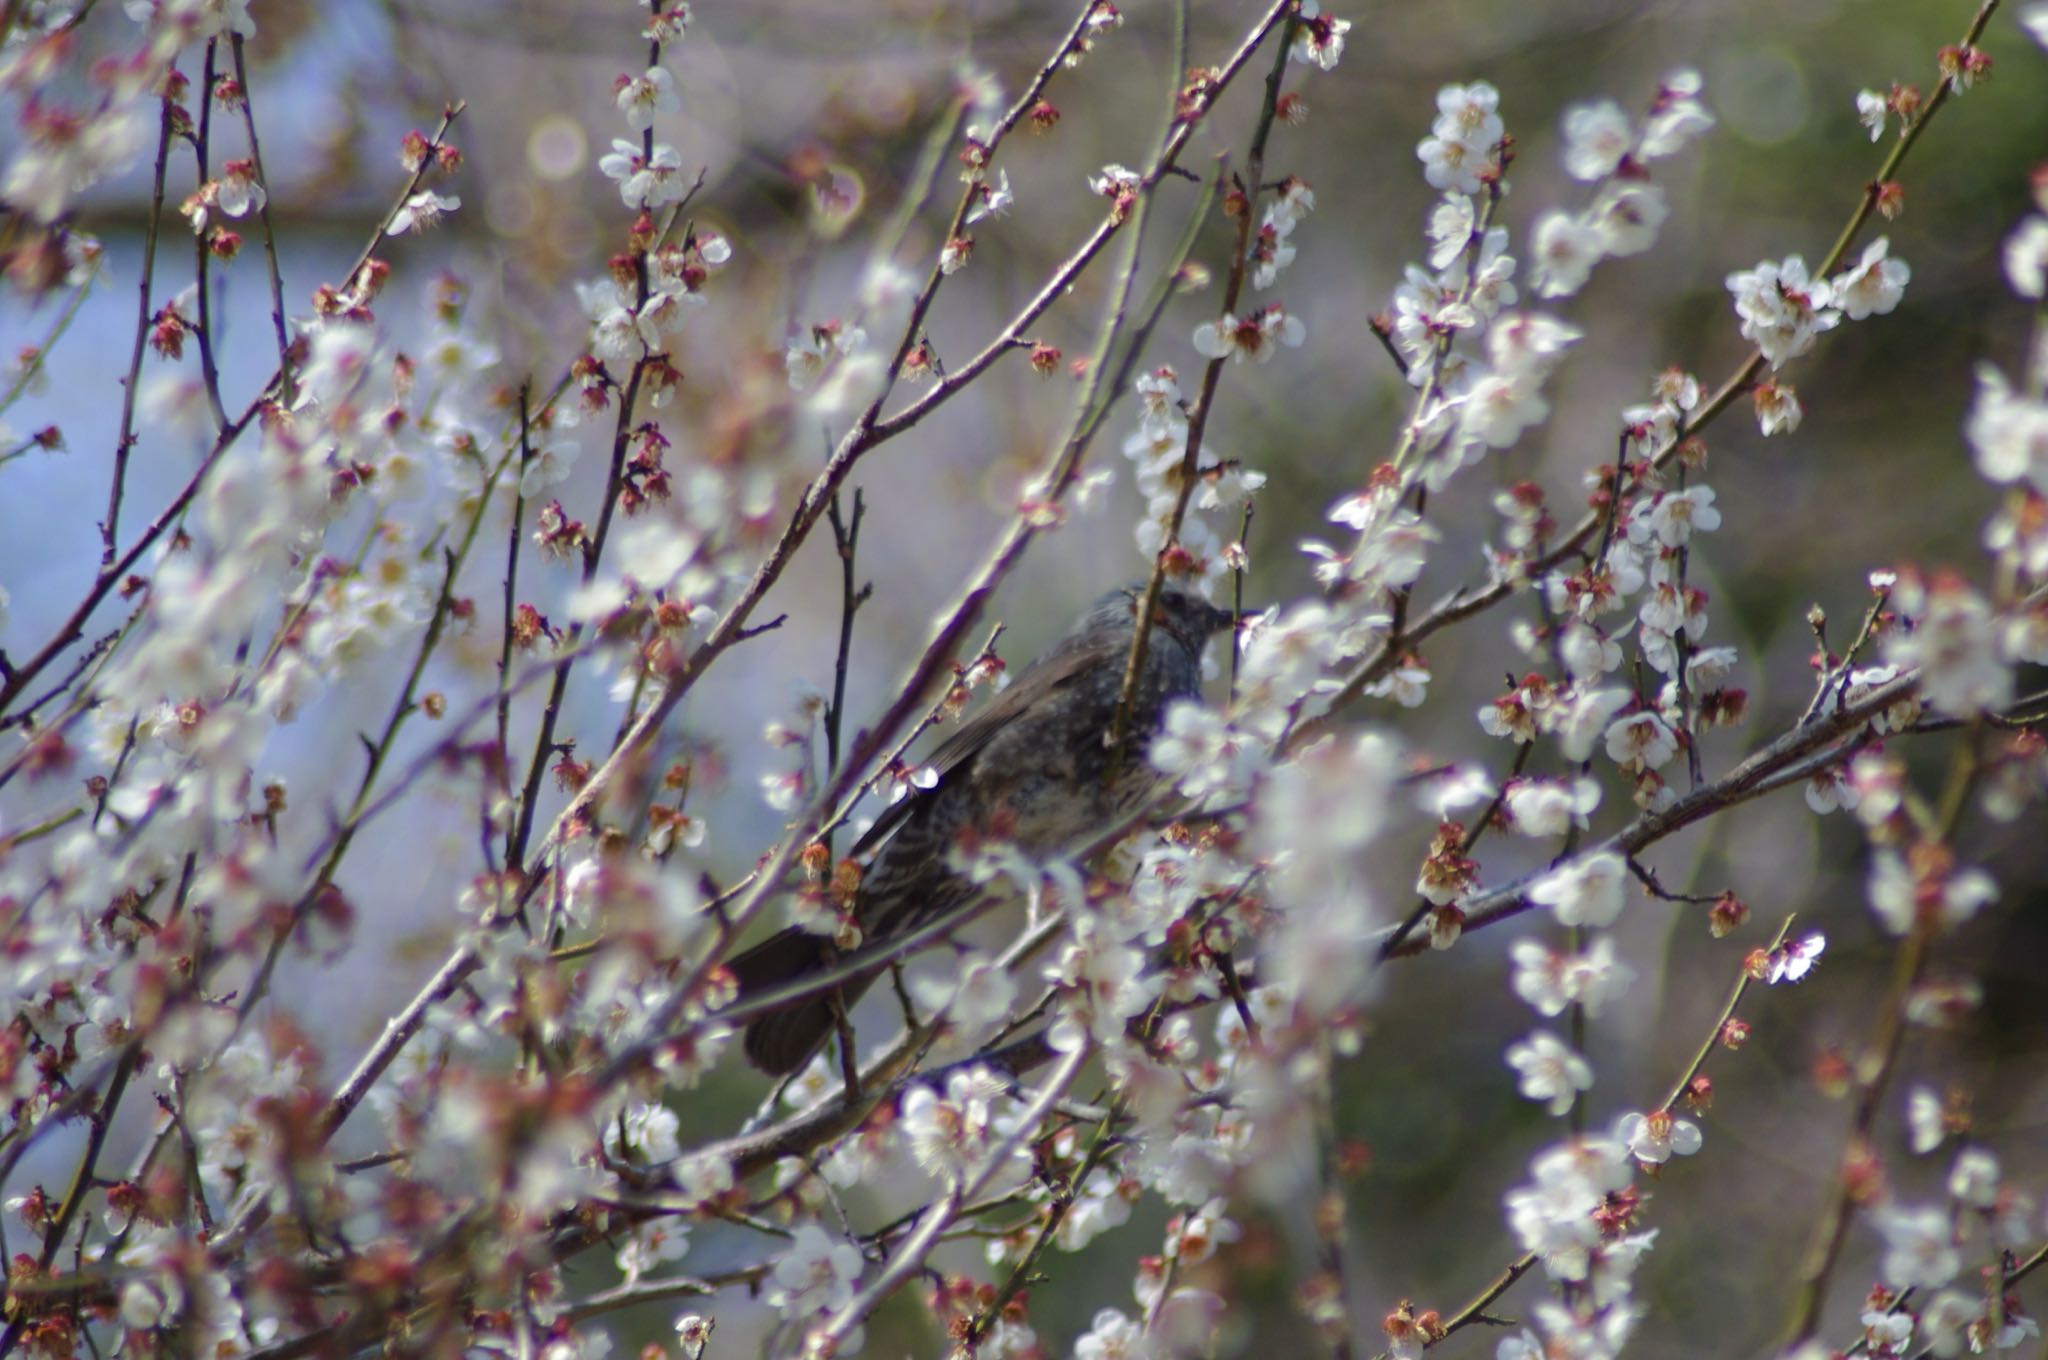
(1034, 768)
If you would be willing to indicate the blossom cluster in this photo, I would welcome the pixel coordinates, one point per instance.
(1172, 1025)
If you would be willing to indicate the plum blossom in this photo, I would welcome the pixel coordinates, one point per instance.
(1954, 641)
(1948, 1323)
(992, 200)
(1271, 251)
(2026, 258)
(1550, 807)
(1585, 891)
(1407, 684)
(1656, 1137)
(1920, 1250)
(1597, 136)
(1554, 1215)
(1192, 1238)
(1530, 342)
(1256, 335)
(1105, 985)
(1426, 310)
(1887, 1333)
(1675, 517)
(1112, 1336)
(811, 353)
(1121, 186)
(1782, 309)
(1926, 1121)
(1114, 180)
(1522, 349)
(1492, 273)
(1676, 116)
(1588, 652)
(549, 466)
(979, 993)
(646, 1133)
(1973, 1180)
(614, 330)
(1563, 1331)
(1318, 37)
(1873, 285)
(1460, 147)
(1871, 110)
(1795, 959)
(1907, 889)
(1667, 610)
(195, 18)
(1499, 407)
(339, 364)
(1200, 748)
(1104, 1203)
(641, 97)
(1582, 722)
(1641, 741)
(645, 181)
(239, 192)
(815, 1275)
(1550, 1072)
(1562, 253)
(2008, 432)
(1627, 215)
(64, 153)
(1550, 982)
(1451, 223)
(422, 211)
(652, 1244)
(950, 1134)
(1777, 408)
(1294, 201)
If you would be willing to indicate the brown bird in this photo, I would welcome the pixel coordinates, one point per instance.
(1032, 769)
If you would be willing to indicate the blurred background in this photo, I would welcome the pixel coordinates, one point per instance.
(777, 92)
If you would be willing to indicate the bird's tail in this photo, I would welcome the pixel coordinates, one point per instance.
(783, 1040)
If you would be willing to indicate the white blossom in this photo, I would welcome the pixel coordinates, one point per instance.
(1627, 216)
(815, 1275)
(1318, 37)
(1112, 1336)
(1641, 741)
(1954, 642)
(1676, 117)
(1596, 137)
(1675, 517)
(1584, 892)
(1920, 1250)
(2026, 258)
(1782, 309)
(2008, 432)
(423, 211)
(1873, 285)
(1900, 896)
(1563, 251)
(1550, 807)
(1550, 1072)
(641, 97)
(1658, 1136)
(1461, 143)
(950, 1134)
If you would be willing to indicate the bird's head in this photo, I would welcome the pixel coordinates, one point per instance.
(1180, 612)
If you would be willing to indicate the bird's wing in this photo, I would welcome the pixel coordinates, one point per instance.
(1048, 674)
